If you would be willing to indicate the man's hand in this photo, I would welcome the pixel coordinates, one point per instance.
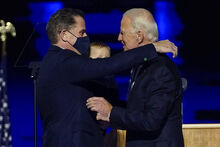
(166, 46)
(101, 106)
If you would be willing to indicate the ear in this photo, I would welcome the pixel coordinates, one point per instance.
(63, 35)
(140, 37)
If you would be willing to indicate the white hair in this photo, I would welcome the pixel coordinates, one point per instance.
(142, 19)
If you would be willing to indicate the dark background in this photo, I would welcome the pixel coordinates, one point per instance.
(198, 43)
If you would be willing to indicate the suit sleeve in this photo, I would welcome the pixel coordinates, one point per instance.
(79, 68)
(157, 107)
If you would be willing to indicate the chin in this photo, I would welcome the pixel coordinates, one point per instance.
(125, 48)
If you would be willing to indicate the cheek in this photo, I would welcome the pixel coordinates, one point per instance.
(72, 40)
(131, 43)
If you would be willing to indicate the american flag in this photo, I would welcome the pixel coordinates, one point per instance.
(5, 125)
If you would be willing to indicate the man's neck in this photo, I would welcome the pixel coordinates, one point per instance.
(145, 43)
(67, 46)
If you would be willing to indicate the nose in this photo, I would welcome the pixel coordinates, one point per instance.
(119, 37)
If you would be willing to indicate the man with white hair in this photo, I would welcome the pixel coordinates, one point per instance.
(152, 117)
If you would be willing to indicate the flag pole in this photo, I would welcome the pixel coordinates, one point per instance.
(5, 136)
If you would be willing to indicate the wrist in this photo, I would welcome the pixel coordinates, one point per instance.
(109, 114)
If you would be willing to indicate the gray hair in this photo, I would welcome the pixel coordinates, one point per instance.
(142, 19)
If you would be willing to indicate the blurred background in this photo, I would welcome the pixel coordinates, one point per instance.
(192, 25)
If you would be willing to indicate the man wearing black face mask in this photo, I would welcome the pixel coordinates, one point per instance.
(82, 44)
(62, 88)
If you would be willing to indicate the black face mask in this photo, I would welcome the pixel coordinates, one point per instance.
(82, 44)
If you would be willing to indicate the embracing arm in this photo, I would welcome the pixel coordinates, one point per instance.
(78, 68)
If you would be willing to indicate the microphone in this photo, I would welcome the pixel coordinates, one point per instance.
(184, 83)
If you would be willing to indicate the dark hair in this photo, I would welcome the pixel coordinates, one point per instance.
(60, 20)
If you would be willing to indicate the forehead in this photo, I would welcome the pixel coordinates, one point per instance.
(125, 23)
(80, 23)
(99, 48)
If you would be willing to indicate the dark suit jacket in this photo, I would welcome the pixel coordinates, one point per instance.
(105, 87)
(153, 114)
(62, 94)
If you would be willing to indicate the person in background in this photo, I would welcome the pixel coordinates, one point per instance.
(106, 87)
(99, 50)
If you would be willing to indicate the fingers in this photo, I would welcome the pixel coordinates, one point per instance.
(92, 102)
(165, 46)
(101, 106)
(96, 104)
(95, 99)
(174, 49)
(91, 105)
(99, 100)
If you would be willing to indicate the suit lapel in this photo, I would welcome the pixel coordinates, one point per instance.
(134, 76)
